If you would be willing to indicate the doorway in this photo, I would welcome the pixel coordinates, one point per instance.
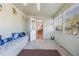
(39, 29)
(32, 29)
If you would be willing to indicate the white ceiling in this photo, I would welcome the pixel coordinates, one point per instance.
(47, 9)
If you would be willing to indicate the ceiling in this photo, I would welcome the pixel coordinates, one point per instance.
(46, 9)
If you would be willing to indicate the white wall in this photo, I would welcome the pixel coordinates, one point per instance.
(69, 42)
(28, 24)
(9, 22)
(48, 28)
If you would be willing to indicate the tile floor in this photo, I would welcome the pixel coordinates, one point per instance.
(47, 44)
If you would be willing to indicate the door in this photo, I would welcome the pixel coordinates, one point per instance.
(39, 29)
(32, 29)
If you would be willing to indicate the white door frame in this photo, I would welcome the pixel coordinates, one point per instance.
(32, 29)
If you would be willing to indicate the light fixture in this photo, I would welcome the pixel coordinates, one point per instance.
(38, 6)
(25, 4)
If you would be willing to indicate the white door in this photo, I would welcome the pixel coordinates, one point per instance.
(32, 29)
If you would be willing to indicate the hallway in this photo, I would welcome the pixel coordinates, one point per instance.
(47, 45)
(39, 35)
(59, 21)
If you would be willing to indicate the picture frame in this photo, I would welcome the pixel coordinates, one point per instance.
(14, 11)
(1, 7)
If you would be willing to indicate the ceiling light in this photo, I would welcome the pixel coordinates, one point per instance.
(38, 6)
(25, 4)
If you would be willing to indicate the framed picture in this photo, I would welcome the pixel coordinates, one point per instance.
(1, 7)
(58, 23)
(72, 21)
(14, 11)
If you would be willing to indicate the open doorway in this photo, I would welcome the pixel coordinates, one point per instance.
(39, 29)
